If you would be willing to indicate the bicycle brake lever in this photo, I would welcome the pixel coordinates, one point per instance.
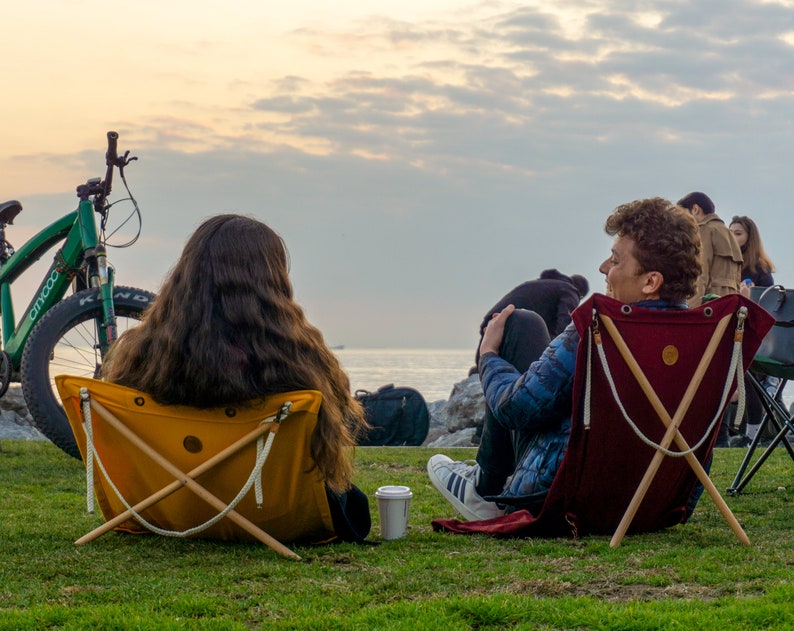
(124, 160)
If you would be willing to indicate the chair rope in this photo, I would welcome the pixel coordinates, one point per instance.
(88, 428)
(588, 379)
(263, 448)
(734, 370)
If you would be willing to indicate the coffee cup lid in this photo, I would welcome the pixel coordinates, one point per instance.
(394, 492)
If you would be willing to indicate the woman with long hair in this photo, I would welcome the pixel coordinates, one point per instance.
(758, 266)
(756, 272)
(225, 329)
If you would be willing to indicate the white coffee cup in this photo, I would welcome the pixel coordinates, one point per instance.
(393, 503)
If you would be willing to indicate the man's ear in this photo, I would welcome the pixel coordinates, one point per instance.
(653, 284)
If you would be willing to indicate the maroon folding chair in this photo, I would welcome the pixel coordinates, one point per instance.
(649, 393)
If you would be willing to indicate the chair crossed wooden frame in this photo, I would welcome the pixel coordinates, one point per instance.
(673, 423)
(243, 483)
(619, 474)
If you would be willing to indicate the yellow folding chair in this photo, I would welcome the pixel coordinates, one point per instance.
(240, 473)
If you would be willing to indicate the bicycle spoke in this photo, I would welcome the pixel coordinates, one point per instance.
(77, 352)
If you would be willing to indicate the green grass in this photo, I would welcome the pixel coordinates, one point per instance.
(695, 576)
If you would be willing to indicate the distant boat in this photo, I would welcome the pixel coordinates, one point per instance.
(338, 347)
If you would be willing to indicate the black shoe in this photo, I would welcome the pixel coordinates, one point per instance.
(740, 441)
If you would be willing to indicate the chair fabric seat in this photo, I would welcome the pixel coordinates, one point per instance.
(605, 462)
(295, 505)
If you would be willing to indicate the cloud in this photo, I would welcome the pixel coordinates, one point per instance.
(434, 165)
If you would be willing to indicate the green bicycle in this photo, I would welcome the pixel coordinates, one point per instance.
(58, 334)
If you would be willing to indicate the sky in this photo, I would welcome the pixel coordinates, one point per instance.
(420, 159)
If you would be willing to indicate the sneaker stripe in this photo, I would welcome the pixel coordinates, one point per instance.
(453, 480)
(459, 484)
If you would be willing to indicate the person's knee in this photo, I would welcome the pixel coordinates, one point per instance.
(529, 319)
(525, 338)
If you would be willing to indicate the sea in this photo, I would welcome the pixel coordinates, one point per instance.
(433, 372)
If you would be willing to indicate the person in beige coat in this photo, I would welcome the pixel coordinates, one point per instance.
(720, 255)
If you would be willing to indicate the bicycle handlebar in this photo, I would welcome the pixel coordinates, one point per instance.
(97, 187)
(111, 159)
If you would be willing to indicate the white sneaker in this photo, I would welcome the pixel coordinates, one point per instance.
(456, 482)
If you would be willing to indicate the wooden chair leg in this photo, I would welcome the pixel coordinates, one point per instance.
(672, 432)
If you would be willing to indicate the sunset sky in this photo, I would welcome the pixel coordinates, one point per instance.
(419, 158)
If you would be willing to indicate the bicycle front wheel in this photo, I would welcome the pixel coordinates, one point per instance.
(66, 341)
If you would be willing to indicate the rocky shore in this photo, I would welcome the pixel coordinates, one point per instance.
(452, 422)
(15, 420)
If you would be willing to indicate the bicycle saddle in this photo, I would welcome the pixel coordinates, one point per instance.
(8, 211)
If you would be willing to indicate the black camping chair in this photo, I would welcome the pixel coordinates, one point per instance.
(776, 359)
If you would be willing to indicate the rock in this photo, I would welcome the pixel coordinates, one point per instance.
(461, 438)
(436, 409)
(15, 420)
(437, 426)
(466, 405)
(452, 422)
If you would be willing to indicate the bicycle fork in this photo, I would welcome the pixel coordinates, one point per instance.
(101, 277)
(105, 278)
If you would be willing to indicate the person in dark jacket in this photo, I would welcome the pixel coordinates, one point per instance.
(655, 263)
(553, 296)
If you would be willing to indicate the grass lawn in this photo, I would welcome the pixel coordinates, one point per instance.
(696, 576)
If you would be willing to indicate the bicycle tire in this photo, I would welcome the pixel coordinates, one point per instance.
(64, 342)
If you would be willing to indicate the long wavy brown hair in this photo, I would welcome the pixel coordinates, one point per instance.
(225, 329)
(755, 257)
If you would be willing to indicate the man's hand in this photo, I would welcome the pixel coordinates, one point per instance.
(492, 338)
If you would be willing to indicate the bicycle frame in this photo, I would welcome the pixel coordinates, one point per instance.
(82, 242)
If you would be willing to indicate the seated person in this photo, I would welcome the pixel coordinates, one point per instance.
(553, 296)
(757, 272)
(225, 329)
(757, 267)
(654, 264)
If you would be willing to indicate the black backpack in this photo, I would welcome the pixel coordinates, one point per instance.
(397, 416)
